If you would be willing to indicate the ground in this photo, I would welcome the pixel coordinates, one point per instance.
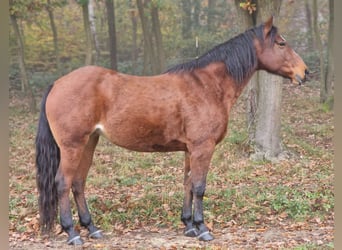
(136, 198)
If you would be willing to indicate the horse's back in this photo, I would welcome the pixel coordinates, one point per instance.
(139, 113)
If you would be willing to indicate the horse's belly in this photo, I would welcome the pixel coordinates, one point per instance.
(153, 146)
(144, 138)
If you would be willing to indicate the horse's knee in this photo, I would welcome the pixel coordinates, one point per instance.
(61, 185)
(198, 189)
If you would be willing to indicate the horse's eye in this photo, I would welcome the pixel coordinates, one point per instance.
(281, 44)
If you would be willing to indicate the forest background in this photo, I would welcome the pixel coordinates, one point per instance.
(51, 38)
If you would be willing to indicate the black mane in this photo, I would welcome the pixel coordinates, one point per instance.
(238, 54)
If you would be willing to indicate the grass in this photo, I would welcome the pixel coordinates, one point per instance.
(127, 190)
(311, 246)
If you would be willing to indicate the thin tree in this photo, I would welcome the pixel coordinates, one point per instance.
(134, 36)
(310, 33)
(160, 56)
(329, 71)
(149, 55)
(49, 9)
(112, 33)
(319, 45)
(25, 86)
(94, 36)
(86, 24)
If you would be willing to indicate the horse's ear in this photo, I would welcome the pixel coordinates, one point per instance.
(268, 26)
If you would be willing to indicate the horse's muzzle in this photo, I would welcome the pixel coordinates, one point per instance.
(301, 80)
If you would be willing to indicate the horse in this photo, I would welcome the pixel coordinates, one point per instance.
(186, 108)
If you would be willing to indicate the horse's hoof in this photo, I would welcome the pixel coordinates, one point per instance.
(96, 235)
(192, 232)
(75, 241)
(205, 236)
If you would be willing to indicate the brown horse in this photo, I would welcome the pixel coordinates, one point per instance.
(184, 109)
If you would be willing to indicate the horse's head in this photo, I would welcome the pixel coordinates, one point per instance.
(277, 57)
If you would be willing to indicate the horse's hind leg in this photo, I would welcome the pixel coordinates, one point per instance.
(70, 158)
(78, 186)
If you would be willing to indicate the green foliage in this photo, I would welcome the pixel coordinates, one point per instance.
(82, 2)
(248, 6)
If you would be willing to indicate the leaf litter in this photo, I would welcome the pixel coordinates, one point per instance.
(137, 197)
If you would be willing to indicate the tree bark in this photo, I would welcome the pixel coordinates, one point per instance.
(149, 54)
(112, 33)
(54, 34)
(329, 77)
(93, 32)
(134, 38)
(25, 87)
(158, 38)
(310, 32)
(318, 41)
(86, 23)
(268, 122)
(267, 133)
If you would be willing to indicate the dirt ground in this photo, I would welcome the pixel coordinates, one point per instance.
(314, 233)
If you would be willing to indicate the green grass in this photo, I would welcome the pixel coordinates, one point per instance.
(311, 246)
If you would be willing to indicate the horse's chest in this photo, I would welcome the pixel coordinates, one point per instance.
(211, 126)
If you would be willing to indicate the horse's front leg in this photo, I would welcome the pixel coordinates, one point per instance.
(190, 229)
(200, 158)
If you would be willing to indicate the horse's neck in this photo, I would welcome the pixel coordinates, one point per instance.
(220, 80)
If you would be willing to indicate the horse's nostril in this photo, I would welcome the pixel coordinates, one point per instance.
(306, 72)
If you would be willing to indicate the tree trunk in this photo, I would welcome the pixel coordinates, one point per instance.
(86, 23)
(323, 91)
(329, 77)
(55, 36)
(268, 122)
(25, 87)
(158, 38)
(134, 38)
(267, 133)
(93, 32)
(112, 33)
(149, 54)
(310, 32)
(186, 23)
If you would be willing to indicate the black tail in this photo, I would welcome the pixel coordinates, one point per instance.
(47, 162)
